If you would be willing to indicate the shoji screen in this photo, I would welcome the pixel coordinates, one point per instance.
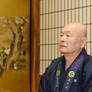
(54, 15)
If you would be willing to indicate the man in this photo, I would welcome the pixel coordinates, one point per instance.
(71, 72)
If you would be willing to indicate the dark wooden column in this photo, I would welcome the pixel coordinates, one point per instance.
(35, 44)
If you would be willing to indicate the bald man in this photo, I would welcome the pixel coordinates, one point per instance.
(71, 72)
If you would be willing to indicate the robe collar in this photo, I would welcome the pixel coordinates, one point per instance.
(71, 73)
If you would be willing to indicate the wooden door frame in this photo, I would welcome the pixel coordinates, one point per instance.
(35, 44)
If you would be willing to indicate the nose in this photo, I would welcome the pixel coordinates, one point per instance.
(63, 38)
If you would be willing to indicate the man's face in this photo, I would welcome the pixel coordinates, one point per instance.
(70, 40)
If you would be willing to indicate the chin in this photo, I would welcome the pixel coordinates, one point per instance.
(63, 51)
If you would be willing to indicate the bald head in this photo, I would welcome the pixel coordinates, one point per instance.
(80, 28)
(72, 38)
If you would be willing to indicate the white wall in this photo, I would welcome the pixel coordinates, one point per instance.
(54, 15)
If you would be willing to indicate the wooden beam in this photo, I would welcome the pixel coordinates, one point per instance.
(35, 44)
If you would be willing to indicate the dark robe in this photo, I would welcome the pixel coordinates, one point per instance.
(82, 81)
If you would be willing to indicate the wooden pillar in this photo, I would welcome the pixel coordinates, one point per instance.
(35, 44)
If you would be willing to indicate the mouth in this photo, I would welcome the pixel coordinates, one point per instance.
(63, 46)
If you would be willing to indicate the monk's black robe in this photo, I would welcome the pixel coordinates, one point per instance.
(82, 81)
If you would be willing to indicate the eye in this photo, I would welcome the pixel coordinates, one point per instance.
(61, 35)
(68, 35)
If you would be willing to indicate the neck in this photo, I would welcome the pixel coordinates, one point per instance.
(70, 58)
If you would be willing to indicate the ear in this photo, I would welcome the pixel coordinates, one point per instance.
(84, 40)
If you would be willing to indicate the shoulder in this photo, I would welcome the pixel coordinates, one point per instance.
(53, 66)
(56, 61)
(88, 63)
(87, 67)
